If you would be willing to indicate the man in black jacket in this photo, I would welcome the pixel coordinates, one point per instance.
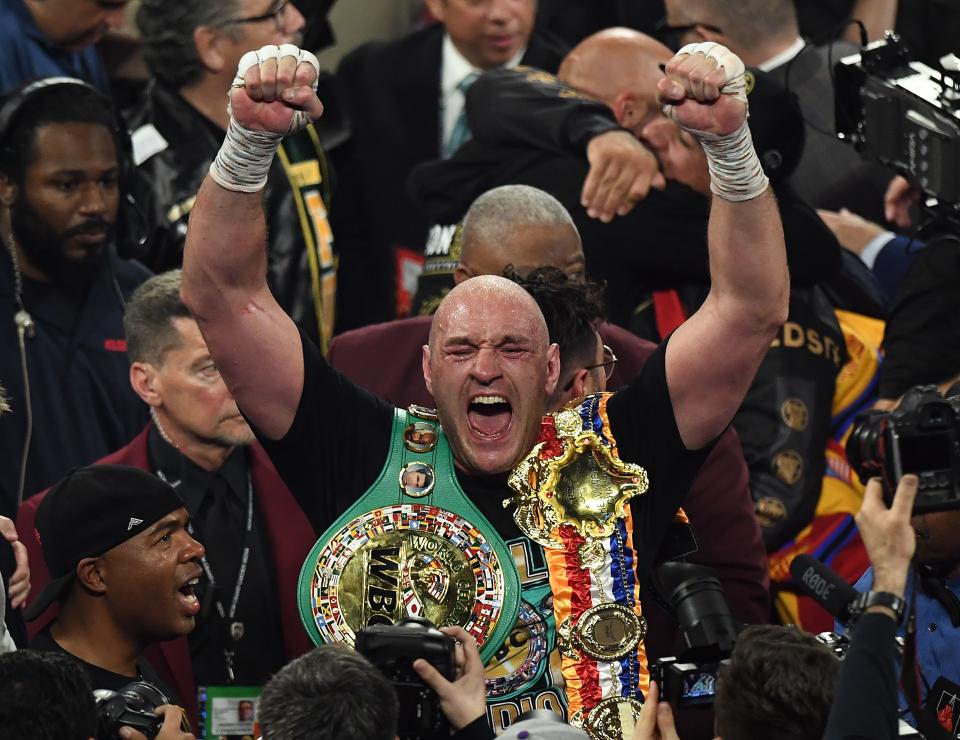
(62, 287)
(192, 49)
(404, 99)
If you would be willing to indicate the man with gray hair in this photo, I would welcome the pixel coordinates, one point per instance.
(192, 48)
(521, 226)
(238, 506)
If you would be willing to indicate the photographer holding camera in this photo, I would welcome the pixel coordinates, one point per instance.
(779, 677)
(868, 675)
(336, 693)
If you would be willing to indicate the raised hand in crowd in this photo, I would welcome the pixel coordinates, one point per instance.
(19, 585)
(463, 700)
(170, 730)
(888, 535)
(656, 718)
(622, 171)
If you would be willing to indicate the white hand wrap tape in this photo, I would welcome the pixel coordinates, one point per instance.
(735, 170)
(244, 159)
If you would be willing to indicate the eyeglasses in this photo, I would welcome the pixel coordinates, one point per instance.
(275, 14)
(671, 35)
(608, 364)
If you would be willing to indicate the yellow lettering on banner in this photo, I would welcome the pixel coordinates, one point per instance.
(792, 335)
(305, 174)
(318, 214)
(813, 342)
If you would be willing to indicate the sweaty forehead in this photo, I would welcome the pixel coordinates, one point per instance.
(488, 308)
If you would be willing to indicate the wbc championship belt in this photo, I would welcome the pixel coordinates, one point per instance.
(572, 495)
(412, 546)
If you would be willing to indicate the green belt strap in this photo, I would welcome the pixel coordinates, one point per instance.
(412, 545)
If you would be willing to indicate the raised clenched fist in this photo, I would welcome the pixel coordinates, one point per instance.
(275, 90)
(704, 89)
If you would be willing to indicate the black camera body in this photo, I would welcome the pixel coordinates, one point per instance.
(686, 684)
(921, 436)
(902, 114)
(132, 706)
(393, 648)
(707, 629)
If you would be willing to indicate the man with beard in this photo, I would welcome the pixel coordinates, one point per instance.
(62, 288)
(490, 368)
(238, 506)
(43, 38)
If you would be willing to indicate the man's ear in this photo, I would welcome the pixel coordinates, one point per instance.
(145, 383)
(461, 273)
(553, 368)
(709, 35)
(207, 42)
(624, 109)
(425, 363)
(89, 573)
(437, 8)
(579, 382)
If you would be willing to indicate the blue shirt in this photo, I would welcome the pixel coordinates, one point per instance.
(938, 641)
(26, 54)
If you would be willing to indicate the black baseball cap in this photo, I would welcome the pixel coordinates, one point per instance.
(91, 511)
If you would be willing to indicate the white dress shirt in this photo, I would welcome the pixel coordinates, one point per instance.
(454, 67)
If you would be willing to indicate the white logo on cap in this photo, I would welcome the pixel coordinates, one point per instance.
(133, 523)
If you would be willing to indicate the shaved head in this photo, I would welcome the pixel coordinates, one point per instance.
(614, 62)
(476, 295)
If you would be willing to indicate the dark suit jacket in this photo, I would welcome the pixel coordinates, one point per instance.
(830, 174)
(719, 504)
(290, 537)
(392, 94)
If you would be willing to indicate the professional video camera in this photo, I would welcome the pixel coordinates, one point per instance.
(707, 630)
(132, 706)
(921, 436)
(393, 648)
(904, 115)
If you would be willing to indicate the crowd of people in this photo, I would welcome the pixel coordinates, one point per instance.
(596, 284)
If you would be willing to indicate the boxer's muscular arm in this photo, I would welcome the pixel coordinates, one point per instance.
(712, 358)
(255, 344)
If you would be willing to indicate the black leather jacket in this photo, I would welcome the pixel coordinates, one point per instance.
(173, 146)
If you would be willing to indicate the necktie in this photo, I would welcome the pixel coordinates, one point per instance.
(461, 132)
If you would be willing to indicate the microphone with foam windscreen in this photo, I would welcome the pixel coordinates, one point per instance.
(821, 584)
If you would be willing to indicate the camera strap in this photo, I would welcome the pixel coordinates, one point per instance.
(235, 628)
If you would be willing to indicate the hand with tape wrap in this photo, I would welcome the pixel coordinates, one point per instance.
(704, 92)
(273, 95)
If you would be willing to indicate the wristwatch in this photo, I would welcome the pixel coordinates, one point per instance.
(877, 598)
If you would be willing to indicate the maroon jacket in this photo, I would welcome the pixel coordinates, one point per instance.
(290, 538)
(719, 504)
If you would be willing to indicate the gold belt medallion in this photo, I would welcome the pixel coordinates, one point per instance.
(406, 560)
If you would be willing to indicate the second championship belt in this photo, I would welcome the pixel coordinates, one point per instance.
(572, 497)
(412, 546)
